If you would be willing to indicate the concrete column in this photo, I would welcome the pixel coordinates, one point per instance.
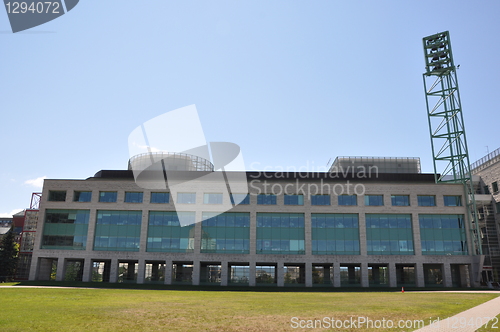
(336, 274)
(252, 272)
(393, 281)
(362, 237)
(197, 235)
(141, 271)
(224, 271)
(464, 276)
(307, 236)
(60, 269)
(280, 273)
(417, 243)
(168, 272)
(144, 233)
(419, 275)
(446, 270)
(87, 270)
(196, 270)
(364, 275)
(253, 235)
(309, 281)
(92, 225)
(113, 274)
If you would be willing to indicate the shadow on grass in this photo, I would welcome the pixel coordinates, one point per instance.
(218, 288)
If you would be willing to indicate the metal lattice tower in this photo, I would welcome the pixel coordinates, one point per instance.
(446, 123)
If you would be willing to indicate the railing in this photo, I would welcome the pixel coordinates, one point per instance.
(486, 158)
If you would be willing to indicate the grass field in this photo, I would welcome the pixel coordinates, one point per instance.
(79, 309)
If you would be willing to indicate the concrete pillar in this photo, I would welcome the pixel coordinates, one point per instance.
(307, 235)
(196, 271)
(446, 271)
(168, 272)
(362, 236)
(393, 282)
(144, 233)
(87, 270)
(464, 276)
(252, 272)
(309, 281)
(419, 275)
(336, 275)
(60, 269)
(113, 274)
(326, 275)
(141, 271)
(364, 275)
(224, 273)
(280, 273)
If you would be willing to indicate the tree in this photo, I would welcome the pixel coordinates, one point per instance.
(8, 256)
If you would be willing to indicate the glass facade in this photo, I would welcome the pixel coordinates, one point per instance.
(335, 234)
(347, 200)
(239, 274)
(165, 233)
(266, 199)
(389, 234)
(107, 196)
(225, 233)
(374, 200)
(65, 229)
(294, 199)
(265, 274)
(320, 200)
(212, 198)
(117, 230)
(82, 196)
(186, 198)
(240, 199)
(280, 233)
(160, 198)
(133, 197)
(426, 200)
(452, 200)
(400, 200)
(57, 195)
(443, 234)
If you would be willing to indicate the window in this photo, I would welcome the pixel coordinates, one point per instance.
(131, 197)
(374, 200)
(117, 230)
(165, 233)
(107, 196)
(494, 186)
(186, 198)
(452, 200)
(443, 234)
(400, 200)
(228, 233)
(240, 199)
(212, 199)
(348, 200)
(486, 190)
(426, 200)
(335, 234)
(389, 234)
(82, 196)
(160, 198)
(57, 195)
(266, 199)
(294, 199)
(280, 233)
(65, 229)
(497, 204)
(320, 199)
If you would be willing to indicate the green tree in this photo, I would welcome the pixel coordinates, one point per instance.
(8, 256)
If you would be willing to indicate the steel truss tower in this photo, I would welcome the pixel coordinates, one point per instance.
(446, 123)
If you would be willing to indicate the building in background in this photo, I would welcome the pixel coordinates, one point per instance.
(487, 178)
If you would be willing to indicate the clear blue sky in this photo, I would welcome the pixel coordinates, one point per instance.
(294, 83)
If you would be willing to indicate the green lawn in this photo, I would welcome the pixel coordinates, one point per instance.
(73, 309)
